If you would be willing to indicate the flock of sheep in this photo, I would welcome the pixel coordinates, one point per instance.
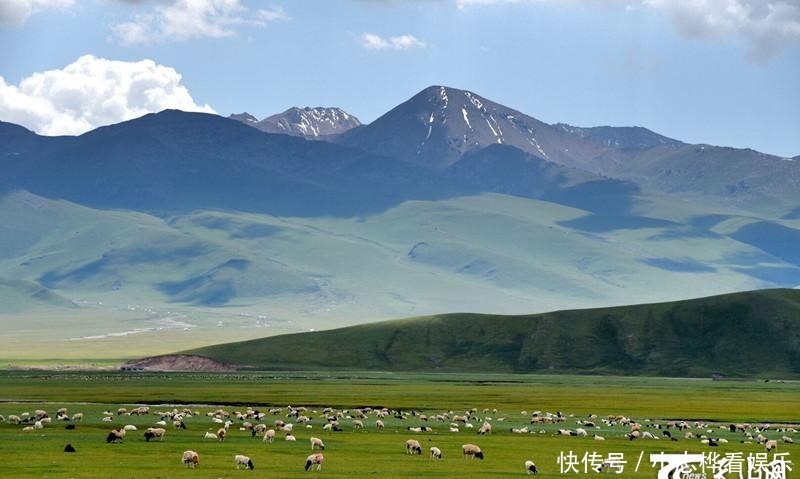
(284, 420)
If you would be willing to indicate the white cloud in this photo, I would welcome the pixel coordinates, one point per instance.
(180, 20)
(16, 12)
(92, 92)
(766, 25)
(372, 41)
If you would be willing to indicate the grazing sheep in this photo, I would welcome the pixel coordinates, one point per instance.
(69, 427)
(77, 417)
(154, 433)
(259, 429)
(317, 442)
(38, 425)
(647, 435)
(771, 445)
(221, 432)
(413, 447)
(454, 429)
(581, 432)
(269, 436)
(14, 419)
(129, 427)
(313, 459)
(116, 435)
(28, 429)
(471, 451)
(69, 448)
(598, 437)
(290, 438)
(633, 435)
(379, 424)
(530, 467)
(357, 424)
(210, 435)
(787, 440)
(108, 419)
(240, 460)
(436, 453)
(485, 428)
(191, 459)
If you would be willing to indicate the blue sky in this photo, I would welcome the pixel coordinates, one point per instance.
(717, 71)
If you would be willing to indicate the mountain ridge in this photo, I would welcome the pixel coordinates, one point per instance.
(682, 338)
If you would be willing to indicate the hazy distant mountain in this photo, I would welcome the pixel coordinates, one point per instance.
(175, 160)
(626, 138)
(481, 209)
(244, 117)
(437, 127)
(306, 122)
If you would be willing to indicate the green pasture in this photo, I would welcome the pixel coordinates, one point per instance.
(368, 452)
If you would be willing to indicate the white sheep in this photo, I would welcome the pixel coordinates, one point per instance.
(191, 459)
(436, 453)
(413, 447)
(316, 443)
(471, 451)
(290, 438)
(379, 424)
(269, 436)
(771, 445)
(314, 459)
(240, 460)
(129, 427)
(530, 467)
(485, 428)
(210, 435)
(154, 433)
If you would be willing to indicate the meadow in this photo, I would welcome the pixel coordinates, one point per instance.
(369, 452)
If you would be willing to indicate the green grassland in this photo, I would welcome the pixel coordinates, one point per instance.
(368, 452)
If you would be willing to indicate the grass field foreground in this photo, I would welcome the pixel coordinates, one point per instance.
(369, 452)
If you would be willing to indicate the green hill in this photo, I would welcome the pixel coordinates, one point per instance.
(741, 334)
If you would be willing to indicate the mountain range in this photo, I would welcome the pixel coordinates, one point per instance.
(448, 202)
(307, 122)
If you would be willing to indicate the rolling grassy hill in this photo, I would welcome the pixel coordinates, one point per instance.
(741, 334)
